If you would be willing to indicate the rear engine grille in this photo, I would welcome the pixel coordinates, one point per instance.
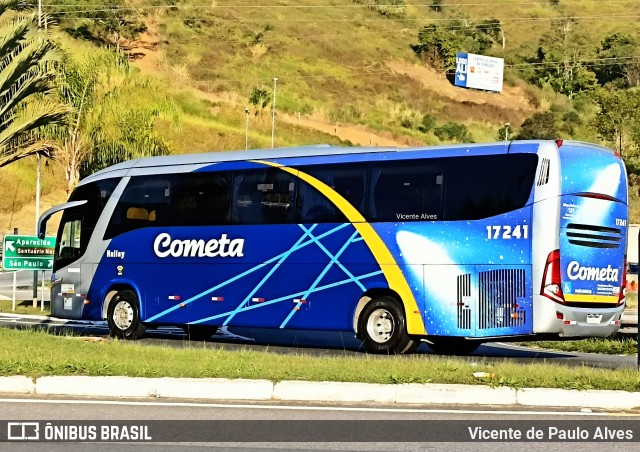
(593, 236)
(464, 302)
(499, 291)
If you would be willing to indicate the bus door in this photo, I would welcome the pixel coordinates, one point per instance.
(65, 296)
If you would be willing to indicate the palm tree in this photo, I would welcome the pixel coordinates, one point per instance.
(26, 74)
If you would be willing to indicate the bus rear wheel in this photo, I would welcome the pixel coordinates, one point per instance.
(453, 346)
(382, 327)
(123, 316)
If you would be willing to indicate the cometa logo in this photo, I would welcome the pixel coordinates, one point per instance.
(163, 246)
(575, 271)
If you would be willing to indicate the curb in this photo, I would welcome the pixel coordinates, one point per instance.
(308, 391)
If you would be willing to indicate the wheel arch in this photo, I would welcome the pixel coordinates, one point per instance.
(113, 290)
(370, 295)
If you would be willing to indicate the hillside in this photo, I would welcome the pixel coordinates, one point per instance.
(346, 73)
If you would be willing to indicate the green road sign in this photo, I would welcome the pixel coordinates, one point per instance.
(27, 252)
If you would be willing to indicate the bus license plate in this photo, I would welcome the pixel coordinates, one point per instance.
(68, 305)
(594, 318)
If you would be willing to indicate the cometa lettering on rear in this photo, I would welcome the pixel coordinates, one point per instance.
(164, 246)
(576, 271)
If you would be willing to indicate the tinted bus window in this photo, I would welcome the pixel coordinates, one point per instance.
(263, 197)
(200, 199)
(77, 223)
(314, 207)
(145, 202)
(348, 180)
(406, 191)
(485, 186)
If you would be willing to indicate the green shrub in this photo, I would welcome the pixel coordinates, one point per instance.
(452, 131)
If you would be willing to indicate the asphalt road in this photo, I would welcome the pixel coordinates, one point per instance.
(193, 426)
(24, 285)
(314, 343)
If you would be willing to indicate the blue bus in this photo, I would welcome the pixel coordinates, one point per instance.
(453, 245)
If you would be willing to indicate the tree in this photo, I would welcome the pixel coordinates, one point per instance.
(539, 126)
(259, 98)
(110, 22)
(561, 59)
(436, 5)
(437, 46)
(112, 115)
(617, 51)
(27, 59)
(618, 118)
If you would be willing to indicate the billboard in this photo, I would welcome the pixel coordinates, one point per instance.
(479, 71)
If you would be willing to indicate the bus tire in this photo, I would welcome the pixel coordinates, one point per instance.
(456, 346)
(199, 332)
(382, 327)
(123, 316)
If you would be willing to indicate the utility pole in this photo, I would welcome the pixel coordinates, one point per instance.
(273, 120)
(35, 272)
(246, 130)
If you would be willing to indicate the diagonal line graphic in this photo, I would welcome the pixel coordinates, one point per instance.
(307, 233)
(290, 296)
(245, 273)
(334, 259)
(328, 253)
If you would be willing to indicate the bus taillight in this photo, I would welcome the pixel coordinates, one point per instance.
(623, 288)
(551, 284)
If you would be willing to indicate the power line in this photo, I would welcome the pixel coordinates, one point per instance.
(333, 6)
(360, 20)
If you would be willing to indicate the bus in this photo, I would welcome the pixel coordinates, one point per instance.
(452, 245)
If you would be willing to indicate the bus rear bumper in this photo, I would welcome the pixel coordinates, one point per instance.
(579, 322)
(570, 321)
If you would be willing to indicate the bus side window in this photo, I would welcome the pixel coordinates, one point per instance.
(314, 207)
(488, 185)
(348, 180)
(144, 203)
(263, 196)
(200, 199)
(406, 191)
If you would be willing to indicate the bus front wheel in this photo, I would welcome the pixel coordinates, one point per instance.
(382, 327)
(123, 316)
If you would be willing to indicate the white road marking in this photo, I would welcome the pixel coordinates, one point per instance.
(313, 408)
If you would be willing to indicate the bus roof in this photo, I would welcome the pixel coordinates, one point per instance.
(321, 150)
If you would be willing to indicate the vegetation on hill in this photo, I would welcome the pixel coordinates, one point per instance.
(572, 70)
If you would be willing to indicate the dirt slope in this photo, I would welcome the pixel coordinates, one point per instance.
(511, 98)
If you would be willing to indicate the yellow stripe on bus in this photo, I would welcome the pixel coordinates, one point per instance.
(592, 298)
(383, 256)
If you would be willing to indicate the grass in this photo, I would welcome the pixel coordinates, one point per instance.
(37, 353)
(24, 307)
(614, 345)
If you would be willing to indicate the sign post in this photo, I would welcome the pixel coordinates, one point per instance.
(27, 252)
